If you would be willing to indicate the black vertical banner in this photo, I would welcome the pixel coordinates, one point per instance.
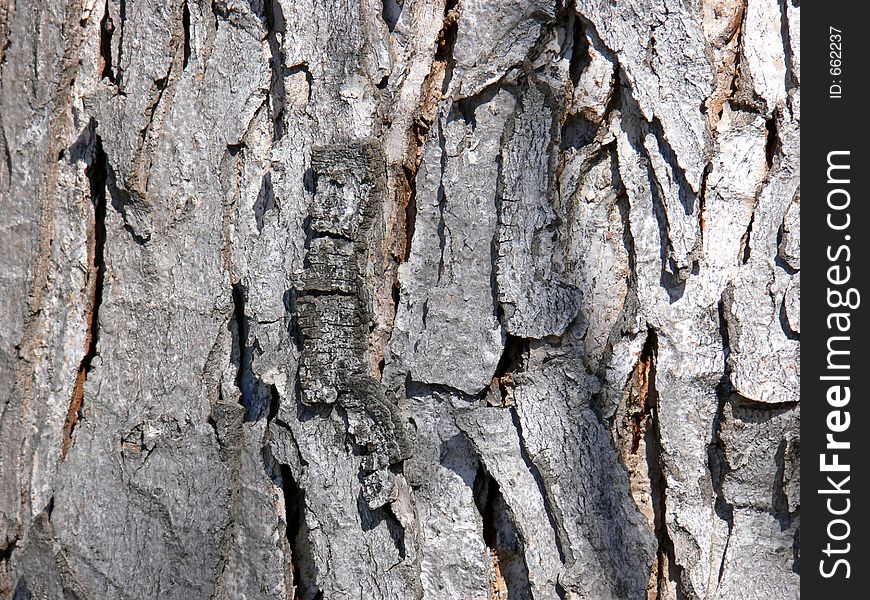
(835, 299)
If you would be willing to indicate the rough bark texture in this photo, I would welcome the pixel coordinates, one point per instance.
(399, 300)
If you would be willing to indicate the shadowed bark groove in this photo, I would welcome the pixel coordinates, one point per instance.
(97, 174)
(666, 577)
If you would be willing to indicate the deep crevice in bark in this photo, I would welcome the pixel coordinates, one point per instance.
(646, 392)
(107, 28)
(511, 574)
(392, 10)
(510, 363)
(5, 178)
(97, 173)
(579, 47)
(185, 24)
(745, 241)
(687, 195)
(771, 141)
(219, 10)
(494, 243)
(666, 565)
(397, 531)
(255, 396)
(624, 206)
(410, 210)
(790, 333)
(273, 19)
(122, 17)
(22, 591)
(7, 551)
(717, 460)
(670, 278)
(780, 260)
(790, 78)
(156, 95)
(301, 557)
(447, 40)
(265, 201)
(240, 334)
(577, 132)
(702, 202)
(781, 509)
(372, 518)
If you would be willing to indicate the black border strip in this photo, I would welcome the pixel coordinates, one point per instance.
(834, 247)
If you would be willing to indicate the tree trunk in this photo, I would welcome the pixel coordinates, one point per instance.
(379, 300)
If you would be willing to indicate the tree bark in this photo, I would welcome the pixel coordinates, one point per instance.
(432, 299)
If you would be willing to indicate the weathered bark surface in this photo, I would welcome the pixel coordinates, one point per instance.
(379, 300)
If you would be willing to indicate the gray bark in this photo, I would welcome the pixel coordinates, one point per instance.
(429, 299)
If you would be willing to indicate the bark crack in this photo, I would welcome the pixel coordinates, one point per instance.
(790, 78)
(665, 568)
(185, 25)
(256, 396)
(561, 536)
(107, 28)
(746, 241)
(273, 19)
(771, 144)
(717, 460)
(122, 17)
(510, 579)
(302, 562)
(97, 173)
(510, 363)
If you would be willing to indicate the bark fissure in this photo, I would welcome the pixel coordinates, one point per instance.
(107, 28)
(6, 178)
(447, 41)
(185, 26)
(434, 85)
(157, 89)
(746, 241)
(122, 16)
(670, 273)
(6, 552)
(702, 202)
(392, 10)
(302, 560)
(265, 202)
(255, 396)
(790, 78)
(510, 363)
(273, 18)
(782, 314)
(97, 173)
(666, 566)
(716, 454)
(645, 374)
(555, 522)
(772, 140)
(510, 572)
